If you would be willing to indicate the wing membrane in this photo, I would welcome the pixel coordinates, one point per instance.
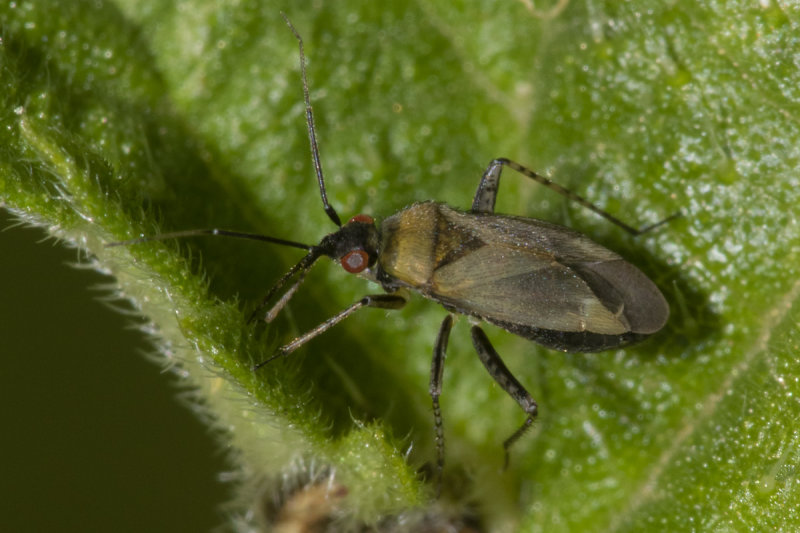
(537, 274)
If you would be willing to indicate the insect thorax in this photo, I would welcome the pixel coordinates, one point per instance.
(420, 239)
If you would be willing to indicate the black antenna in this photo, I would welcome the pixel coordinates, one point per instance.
(200, 232)
(312, 136)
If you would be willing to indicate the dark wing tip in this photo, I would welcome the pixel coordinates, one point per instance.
(619, 284)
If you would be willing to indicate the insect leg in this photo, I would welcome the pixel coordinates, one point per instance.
(381, 301)
(302, 266)
(281, 303)
(487, 193)
(437, 369)
(503, 376)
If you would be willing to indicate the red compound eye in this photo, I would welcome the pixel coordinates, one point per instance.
(364, 219)
(355, 261)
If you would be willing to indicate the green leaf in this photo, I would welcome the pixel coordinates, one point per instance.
(133, 118)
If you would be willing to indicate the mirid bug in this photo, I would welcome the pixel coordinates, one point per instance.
(538, 280)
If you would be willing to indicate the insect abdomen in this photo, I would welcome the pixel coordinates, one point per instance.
(571, 341)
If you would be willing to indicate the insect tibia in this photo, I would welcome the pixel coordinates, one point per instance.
(660, 223)
(302, 266)
(514, 438)
(490, 182)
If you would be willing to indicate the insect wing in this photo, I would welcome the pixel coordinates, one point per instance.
(525, 288)
(534, 274)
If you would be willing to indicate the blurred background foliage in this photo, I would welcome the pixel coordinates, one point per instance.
(127, 118)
